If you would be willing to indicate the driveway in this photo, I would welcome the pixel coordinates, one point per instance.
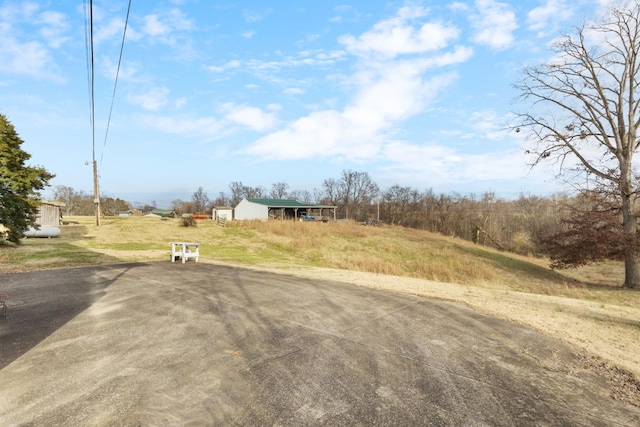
(199, 344)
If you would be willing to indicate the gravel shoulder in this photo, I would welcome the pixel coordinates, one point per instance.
(607, 337)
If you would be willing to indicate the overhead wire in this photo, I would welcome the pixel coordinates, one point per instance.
(87, 53)
(91, 73)
(89, 46)
(115, 84)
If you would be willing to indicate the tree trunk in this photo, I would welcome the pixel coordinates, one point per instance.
(631, 269)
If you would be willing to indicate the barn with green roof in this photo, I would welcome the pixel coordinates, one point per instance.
(265, 209)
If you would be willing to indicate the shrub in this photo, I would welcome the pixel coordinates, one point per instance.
(189, 221)
(522, 244)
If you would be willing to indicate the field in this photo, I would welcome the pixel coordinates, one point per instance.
(584, 307)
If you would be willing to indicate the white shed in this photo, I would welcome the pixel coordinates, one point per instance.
(220, 212)
(263, 209)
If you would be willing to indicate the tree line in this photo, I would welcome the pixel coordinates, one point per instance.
(523, 225)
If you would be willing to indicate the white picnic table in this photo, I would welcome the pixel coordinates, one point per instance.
(184, 251)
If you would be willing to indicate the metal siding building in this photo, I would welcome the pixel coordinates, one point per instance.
(263, 209)
(249, 209)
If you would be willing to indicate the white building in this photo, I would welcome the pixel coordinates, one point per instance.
(264, 209)
(220, 212)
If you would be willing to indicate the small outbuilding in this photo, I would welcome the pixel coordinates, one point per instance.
(264, 209)
(164, 213)
(49, 213)
(220, 212)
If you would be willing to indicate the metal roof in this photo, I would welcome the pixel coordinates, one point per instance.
(287, 203)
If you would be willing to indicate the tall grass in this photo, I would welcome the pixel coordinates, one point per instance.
(343, 245)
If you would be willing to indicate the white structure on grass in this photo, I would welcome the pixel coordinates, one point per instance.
(264, 209)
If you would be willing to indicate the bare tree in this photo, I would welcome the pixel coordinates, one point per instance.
(352, 193)
(358, 190)
(399, 203)
(70, 197)
(254, 192)
(200, 201)
(301, 196)
(585, 109)
(279, 190)
(178, 206)
(240, 191)
(237, 192)
(221, 200)
(331, 192)
(112, 207)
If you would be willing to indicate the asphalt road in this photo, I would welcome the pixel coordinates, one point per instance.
(199, 344)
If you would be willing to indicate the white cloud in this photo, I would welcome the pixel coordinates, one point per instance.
(494, 24)
(224, 67)
(293, 91)
(487, 125)
(251, 117)
(437, 159)
(443, 166)
(154, 27)
(459, 7)
(30, 52)
(252, 16)
(109, 30)
(320, 134)
(152, 100)
(206, 128)
(129, 71)
(392, 93)
(166, 26)
(386, 91)
(546, 16)
(29, 58)
(396, 36)
(54, 29)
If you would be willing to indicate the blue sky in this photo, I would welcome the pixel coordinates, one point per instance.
(416, 93)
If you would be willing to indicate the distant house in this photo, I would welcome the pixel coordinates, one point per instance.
(133, 212)
(49, 213)
(264, 209)
(163, 213)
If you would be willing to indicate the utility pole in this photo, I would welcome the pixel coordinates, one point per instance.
(96, 192)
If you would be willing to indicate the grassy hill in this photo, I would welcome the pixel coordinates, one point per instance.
(384, 250)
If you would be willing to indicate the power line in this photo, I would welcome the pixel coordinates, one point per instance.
(89, 45)
(90, 69)
(115, 84)
(87, 53)
(91, 60)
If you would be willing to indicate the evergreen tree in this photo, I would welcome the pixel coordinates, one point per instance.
(19, 183)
